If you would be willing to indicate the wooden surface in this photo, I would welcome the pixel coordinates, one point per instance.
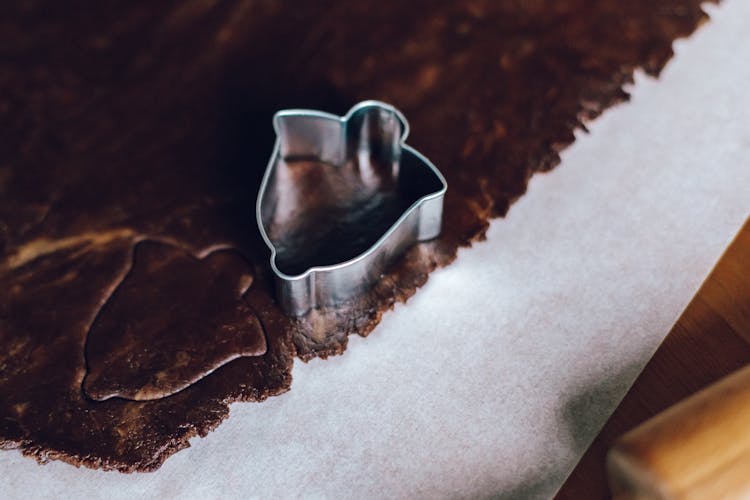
(696, 449)
(709, 341)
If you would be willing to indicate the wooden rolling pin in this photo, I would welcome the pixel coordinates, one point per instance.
(697, 449)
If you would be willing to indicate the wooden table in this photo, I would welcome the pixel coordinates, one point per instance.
(710, 340)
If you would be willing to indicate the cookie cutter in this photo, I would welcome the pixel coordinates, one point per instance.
(370, 128)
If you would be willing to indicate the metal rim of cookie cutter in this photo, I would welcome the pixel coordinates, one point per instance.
(323, 136)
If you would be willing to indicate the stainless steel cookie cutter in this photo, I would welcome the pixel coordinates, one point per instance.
(371, 132)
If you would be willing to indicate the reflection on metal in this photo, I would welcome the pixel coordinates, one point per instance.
(341, 198)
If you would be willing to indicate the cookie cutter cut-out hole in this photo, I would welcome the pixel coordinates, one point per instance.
(341, 199)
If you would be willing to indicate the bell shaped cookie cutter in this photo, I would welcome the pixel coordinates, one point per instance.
(367, 144)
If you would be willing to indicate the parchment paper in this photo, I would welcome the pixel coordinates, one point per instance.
(493, 380)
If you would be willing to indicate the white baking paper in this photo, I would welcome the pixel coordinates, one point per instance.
(494, 378)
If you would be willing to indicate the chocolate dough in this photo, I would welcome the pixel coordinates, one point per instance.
(171, 321)
(147, 126)
(329, 214)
